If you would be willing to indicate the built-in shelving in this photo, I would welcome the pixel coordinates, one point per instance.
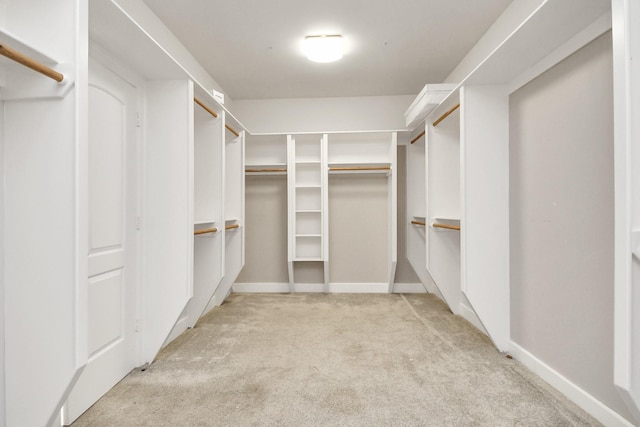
(307, 199)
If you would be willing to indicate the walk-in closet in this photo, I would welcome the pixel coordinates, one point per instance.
(159, 157)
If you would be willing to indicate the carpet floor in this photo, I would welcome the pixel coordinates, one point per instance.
(333, 360)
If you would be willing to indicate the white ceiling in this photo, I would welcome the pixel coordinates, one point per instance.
(252, 47)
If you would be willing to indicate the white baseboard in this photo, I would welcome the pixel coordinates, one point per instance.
(337, 288)
(593, 406)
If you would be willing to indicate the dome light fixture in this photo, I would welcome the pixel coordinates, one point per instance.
(323, 48)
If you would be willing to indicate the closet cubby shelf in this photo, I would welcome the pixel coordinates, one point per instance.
(203, 221)
(308, 210)
(308, 259)
(447, 219)
(265, 165)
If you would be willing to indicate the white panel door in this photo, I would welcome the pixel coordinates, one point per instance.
(112, 278)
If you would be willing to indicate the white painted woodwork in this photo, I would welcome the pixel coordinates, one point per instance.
(209, 250)
(392, 226)
(307, 206)
(417, 207)
(443, 201)
(44, 234)
(484, 234)
(113, 241)
(167, 223)
(626, 47)
(233, 214)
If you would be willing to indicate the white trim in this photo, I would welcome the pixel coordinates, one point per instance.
(593, 406)
(335, 288)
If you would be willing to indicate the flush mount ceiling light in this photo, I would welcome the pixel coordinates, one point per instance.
(323, 48)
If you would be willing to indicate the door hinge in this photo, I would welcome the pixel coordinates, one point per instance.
(138, 223)
(137, 326)
(138, 120)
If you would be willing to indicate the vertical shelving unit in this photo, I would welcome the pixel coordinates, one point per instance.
(417, 203)
(444, 201)
(208, 251)
(233, 209)
(307, 188)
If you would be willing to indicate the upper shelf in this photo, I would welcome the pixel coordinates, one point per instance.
(537, 41)
(115, 27)
(15, 42)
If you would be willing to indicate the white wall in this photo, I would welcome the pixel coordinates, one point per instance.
(561, 164)
(302, 115)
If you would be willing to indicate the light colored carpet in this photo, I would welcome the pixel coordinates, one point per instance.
(333, 360)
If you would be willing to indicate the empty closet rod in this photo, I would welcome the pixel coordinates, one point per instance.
(418, 223)
(28, 62)
(447, 226)
(214, 114)
(205, 231)
(232, 226)
(418, 137)
(361, 168)
(207, 109)
(232, 130)
(266, 170)
(445, 115)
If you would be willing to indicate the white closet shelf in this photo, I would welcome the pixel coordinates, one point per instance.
(360, 168)
(452, 219)
(15, 42)
(309, 259)
(264, 165)
(308, 210)
(308, 186)
(308, 235)
(308, 162)
(203, 221)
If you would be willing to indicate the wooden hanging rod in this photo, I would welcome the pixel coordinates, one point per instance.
(266, 170)
(205, 231)
(28, 62)
(420, 135)
(447, 226)
(418, 223)
(214, 114)
(232, 226)
(207, 109)
(232, 130)
(361, 168)
(445, 115)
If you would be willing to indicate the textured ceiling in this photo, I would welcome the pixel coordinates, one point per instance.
(252, 47)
